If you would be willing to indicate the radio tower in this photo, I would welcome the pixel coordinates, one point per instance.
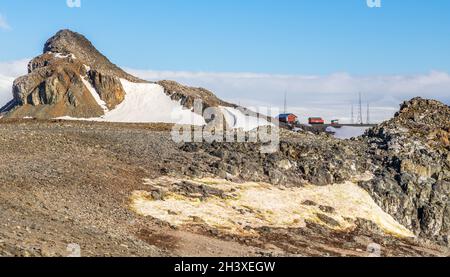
(353, 116)
(360, 114)
(285, 102)
(368, 113)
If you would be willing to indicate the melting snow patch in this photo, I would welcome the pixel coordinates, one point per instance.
(61, 56)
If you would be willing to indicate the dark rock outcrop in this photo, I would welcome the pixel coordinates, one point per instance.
(187, 95)
(108, 87)
(302, 159)
(412, 180)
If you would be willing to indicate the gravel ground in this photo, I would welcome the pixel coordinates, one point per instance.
(70, 182)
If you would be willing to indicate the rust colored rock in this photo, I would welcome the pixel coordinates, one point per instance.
(57, 81)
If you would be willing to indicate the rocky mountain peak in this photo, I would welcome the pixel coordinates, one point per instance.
(69, 43)
(71, 78)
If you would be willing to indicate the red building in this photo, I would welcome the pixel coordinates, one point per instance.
(316, 121)
(288, 118)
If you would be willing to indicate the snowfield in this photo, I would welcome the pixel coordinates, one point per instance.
(238, 120)
(346, 132)
(148, 103)
(144, 103)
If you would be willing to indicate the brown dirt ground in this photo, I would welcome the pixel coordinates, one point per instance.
(67, 182)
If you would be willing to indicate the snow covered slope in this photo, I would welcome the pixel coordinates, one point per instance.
(146, 102)
(236, 119)
(95, 94)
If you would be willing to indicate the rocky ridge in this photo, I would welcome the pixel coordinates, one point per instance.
(412, 175)
(187, 95)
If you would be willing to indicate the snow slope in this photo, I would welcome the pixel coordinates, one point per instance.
(148, 103)
(238, 120)
(346, 132)
(95, 94)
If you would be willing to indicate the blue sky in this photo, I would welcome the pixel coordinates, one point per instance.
(270, 36)
(250, 52)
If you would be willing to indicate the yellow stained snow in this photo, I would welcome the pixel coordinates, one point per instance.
(259, 204)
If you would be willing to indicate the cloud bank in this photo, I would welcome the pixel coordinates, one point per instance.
(8, 72)
(329, 96)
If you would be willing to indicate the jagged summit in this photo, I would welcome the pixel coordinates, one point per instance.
(421, 119)
(424, 111)
(67, 42)
(71, 78)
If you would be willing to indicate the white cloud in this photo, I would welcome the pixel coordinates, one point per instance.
(4, 24)
(8, 72)
(15, 68)
(329, 96)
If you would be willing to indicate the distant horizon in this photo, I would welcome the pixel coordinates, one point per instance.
(223, 83)
(321, 52)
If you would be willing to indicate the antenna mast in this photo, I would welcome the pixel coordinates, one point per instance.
(360, 117)
(368, 113)
(353, 115)
(285, 102)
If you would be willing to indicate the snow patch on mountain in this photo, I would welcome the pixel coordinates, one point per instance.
(62, 56)
(236, 119)
(95, 94)
(146, 102)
